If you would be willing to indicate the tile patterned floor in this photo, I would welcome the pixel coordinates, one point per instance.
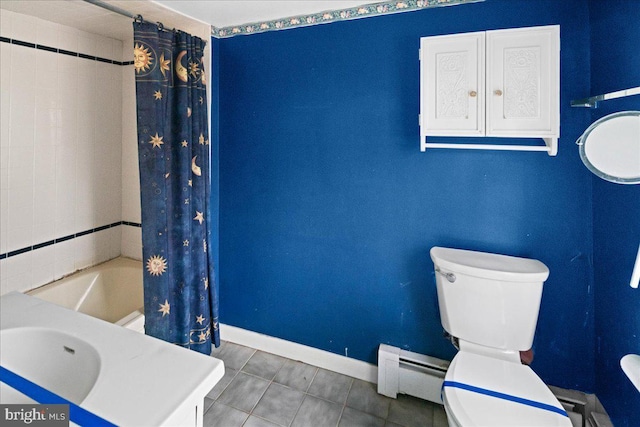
(264, 390)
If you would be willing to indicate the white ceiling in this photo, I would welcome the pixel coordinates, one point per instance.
(227, 13)
(219, 13)
(93, 19)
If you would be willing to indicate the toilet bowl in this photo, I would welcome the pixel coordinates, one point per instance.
(490, 304)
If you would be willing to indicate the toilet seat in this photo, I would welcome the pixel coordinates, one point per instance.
(485, 391)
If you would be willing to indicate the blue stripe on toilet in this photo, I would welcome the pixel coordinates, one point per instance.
(78, 415)
(509, 397)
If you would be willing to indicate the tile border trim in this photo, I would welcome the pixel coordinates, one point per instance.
(62, 51)
(329, 16)
(65, 238)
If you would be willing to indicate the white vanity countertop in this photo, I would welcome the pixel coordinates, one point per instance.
(142, 380)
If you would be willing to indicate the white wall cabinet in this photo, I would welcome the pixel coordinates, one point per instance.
(502, 83)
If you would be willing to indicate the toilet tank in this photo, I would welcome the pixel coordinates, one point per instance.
(489, 299)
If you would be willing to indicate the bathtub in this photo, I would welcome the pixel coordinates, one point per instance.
(111, 291)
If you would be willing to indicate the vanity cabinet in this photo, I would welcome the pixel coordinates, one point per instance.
(501, 83)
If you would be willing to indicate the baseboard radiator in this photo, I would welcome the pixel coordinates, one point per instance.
(404, 372)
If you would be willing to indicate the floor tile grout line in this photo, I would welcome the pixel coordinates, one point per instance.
(234, 377)
(304, 392)
(272, 381)
(225, 387)
(265, 391)
(249, 358)
(344, 405)
(297, 411)
(315, 374)
(216, 400)
(250, 413)
(341, 413)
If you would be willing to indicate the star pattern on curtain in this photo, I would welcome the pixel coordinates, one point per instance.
(174, 178)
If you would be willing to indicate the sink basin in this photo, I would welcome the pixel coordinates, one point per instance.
(111, 376)
(54, 360)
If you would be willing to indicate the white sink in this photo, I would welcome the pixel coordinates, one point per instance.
(54, 360)
(112, 373)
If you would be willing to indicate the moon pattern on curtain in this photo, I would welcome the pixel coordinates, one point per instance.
(180, 290)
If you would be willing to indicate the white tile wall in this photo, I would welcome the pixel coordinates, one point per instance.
(131, 236)
(131, 244)
(68, 150)
(60, 151)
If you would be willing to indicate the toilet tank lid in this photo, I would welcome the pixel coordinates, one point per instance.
(489, 266)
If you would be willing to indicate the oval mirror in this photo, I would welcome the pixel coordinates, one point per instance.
(610, 147)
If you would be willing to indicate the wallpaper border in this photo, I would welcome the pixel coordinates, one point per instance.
(364, 11)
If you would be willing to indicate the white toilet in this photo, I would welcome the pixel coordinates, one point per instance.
(490, 303)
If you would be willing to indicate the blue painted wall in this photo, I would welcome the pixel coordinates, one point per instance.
(615, 65)
(328, 209)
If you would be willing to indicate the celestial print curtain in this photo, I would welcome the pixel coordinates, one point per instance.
(180, 291)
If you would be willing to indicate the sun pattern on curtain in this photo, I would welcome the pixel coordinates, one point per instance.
(180, 291)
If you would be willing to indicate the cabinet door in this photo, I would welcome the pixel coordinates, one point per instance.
(452, 85)
(523, 82)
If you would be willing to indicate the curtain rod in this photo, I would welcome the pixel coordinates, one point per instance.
(115, 9)
(120, 11)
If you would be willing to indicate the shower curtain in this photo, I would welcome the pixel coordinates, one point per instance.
(180, 291)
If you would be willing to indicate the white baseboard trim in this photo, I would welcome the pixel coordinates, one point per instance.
(291, 350)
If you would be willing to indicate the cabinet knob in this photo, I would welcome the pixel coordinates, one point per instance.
(473, 93)
(497, 92)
